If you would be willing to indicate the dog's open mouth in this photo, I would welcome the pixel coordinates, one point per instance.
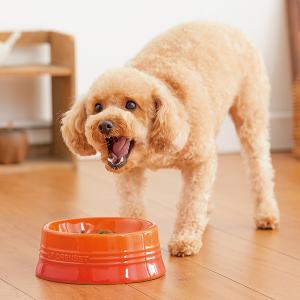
(119, 149)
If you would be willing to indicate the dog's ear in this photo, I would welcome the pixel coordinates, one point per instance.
(170, 129)
(73, 130)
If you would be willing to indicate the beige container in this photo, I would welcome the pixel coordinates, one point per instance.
(13, 146)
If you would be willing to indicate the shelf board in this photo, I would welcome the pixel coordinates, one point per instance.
(29, 124)
(34, 70)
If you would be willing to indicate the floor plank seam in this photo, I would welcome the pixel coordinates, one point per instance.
(255, 243)
(222, 275)
(23, 292)
(148, 296)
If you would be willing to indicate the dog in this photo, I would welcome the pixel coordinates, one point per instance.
(164, 108)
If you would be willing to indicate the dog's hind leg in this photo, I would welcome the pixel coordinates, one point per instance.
(130, 187)
(251, 118)
(192, 209)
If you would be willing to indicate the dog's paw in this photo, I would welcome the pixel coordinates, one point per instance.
(267, 217)
(267, 222)
(184, 246)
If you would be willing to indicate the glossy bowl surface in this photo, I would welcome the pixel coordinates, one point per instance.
(73, 251)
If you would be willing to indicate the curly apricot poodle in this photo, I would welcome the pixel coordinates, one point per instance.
(164, 110)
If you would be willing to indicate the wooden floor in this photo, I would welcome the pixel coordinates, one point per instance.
(236, 262)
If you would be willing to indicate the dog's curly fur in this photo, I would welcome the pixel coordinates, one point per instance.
(184, 82)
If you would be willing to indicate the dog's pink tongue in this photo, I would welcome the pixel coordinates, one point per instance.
(120, 147)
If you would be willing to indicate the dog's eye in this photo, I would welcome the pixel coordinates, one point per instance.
(130, 105)
(98, 107)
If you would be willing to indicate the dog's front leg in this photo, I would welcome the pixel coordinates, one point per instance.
(192, 214)
(130, 187)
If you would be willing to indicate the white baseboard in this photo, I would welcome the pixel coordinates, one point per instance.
(281, 130)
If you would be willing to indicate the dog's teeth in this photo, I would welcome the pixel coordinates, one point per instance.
(110, 159)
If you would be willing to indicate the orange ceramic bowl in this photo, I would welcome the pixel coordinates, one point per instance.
(73, 251)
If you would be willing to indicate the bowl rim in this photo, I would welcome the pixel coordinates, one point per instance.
(46, 228)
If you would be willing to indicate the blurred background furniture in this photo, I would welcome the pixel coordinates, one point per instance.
(62, 72)
(7, 46)
(293, 7)
(13, 145)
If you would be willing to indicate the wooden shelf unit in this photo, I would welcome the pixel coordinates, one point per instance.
(62, 72)
(293, 12)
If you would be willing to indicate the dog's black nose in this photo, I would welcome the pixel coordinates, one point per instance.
(106, 126)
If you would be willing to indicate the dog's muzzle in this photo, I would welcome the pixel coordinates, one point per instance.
(106, 126)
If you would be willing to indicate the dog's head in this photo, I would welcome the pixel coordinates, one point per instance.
(126, 116)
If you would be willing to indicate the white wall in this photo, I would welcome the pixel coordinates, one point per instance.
(108, 33)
